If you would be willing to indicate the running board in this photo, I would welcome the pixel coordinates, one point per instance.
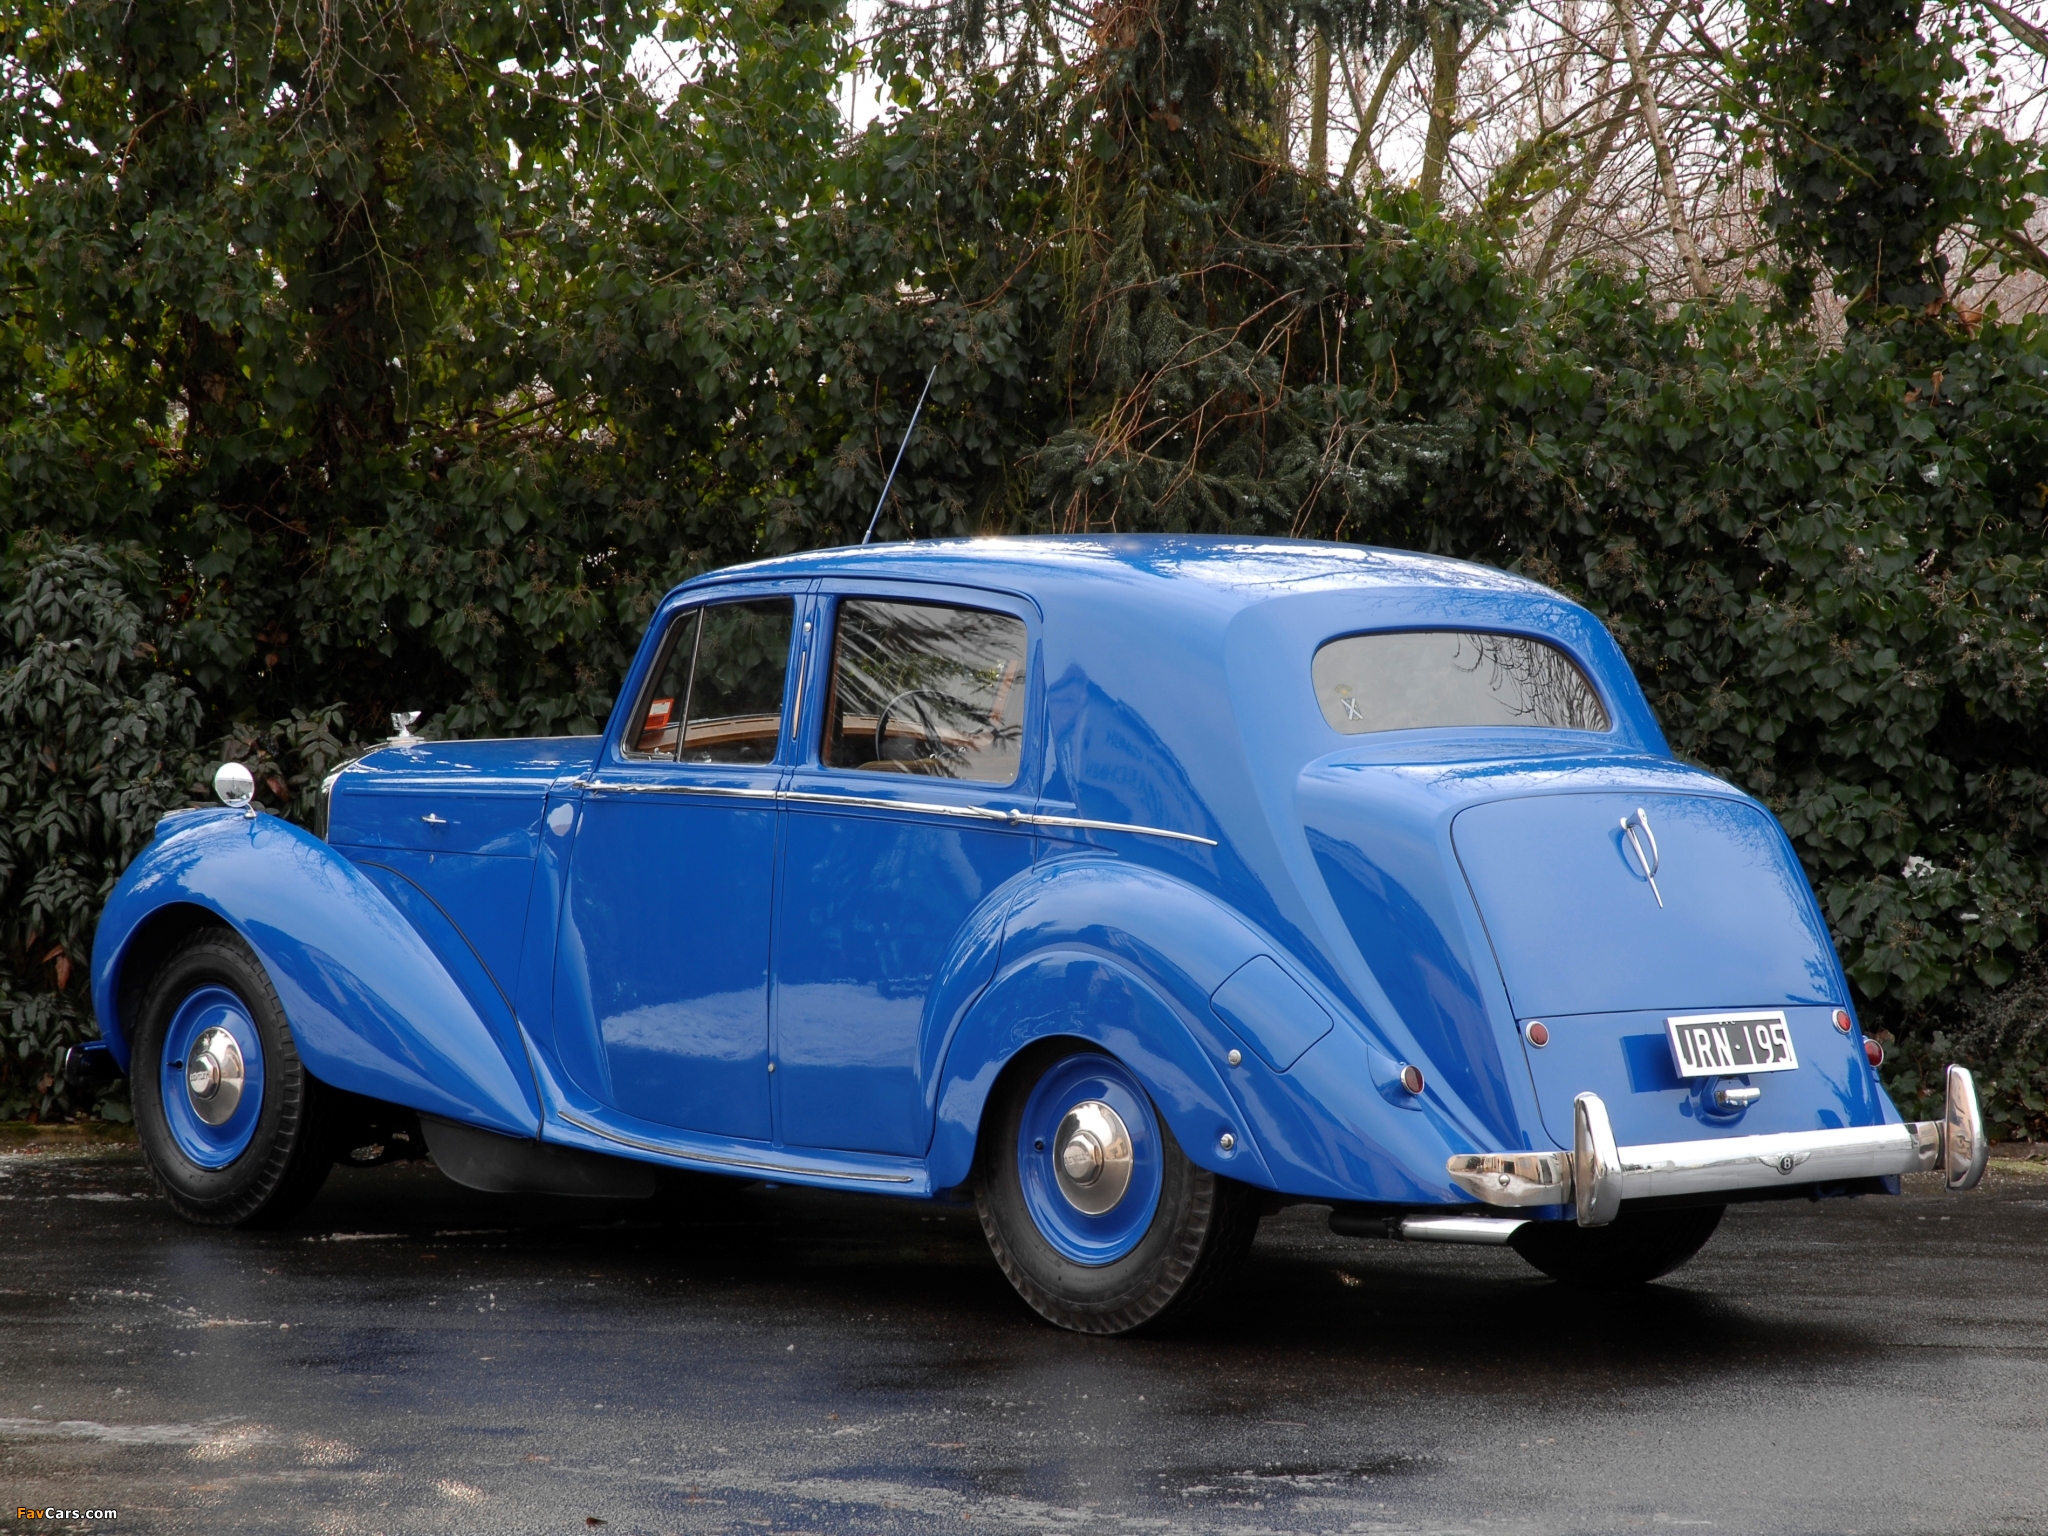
(570, 1120)
(512, 1165)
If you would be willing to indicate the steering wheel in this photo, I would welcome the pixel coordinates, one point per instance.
(934, 744)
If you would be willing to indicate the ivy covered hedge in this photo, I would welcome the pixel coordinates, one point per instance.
(97, 739)
(402, 355)
(1826, 565)
(100, 734)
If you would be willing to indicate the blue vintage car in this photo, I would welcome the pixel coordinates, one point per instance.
(1130, 887)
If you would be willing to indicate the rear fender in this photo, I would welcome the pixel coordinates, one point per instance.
(1127, 959)
(1087, 997)
(372, 1007)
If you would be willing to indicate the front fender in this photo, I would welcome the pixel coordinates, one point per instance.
(1128, 959)
(373, 1009)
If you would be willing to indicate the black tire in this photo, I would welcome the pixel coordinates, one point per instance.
(1200, 1233)
(1634, 1249)
(293, 1143)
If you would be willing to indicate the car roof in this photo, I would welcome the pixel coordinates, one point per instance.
(1219, 564)
(1124, 600)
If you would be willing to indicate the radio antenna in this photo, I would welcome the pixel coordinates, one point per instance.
(899, 454)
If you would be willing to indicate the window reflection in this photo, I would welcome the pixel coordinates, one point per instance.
(1417, 678)
(926, 689)
(717, 693)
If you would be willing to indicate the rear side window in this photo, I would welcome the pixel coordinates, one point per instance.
(717, 692)
(926, 689)
(1434, 677)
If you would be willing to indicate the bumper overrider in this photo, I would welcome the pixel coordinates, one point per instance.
(1597, 1176)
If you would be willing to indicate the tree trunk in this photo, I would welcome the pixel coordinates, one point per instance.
(1589, 172)
(2023, 30)
(1653, 127)
(1369, 114)
(1285, 86)
(1444, 60)
(1319, 111)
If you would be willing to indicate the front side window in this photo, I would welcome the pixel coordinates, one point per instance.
(717, 691)
(926, 689)
(1434, 677)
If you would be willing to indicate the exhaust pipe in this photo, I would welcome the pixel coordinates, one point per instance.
(1487, 1231)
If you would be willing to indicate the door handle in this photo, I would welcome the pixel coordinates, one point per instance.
(434, 821)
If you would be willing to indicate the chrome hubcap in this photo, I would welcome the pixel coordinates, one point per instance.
(1092, 1157)
(213, 1076)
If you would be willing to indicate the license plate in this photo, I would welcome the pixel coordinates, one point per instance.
(1725, 1044)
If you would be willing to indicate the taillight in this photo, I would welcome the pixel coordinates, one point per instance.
(1538, 1032)
(1873, 1053)
(1842, 1020)
(1411, 1079)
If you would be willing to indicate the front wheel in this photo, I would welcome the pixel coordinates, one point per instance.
(236, 1132)
(1095, 1214)
(1633, 1249)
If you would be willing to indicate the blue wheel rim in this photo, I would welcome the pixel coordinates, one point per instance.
(211, 1146)
(1074, 1234)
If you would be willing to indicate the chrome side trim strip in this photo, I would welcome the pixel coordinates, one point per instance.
(981, 813)
(1086, 825)
(922, 807)
(714, 1159)
(878, 803)
(720, 791)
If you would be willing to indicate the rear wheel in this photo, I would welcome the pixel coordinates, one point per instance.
(1633, 1249)
(1095, 1214)
(234, 1129)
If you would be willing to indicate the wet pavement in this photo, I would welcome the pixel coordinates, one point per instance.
(410, 1357)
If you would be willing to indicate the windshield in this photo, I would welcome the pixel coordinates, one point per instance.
(1435, 677)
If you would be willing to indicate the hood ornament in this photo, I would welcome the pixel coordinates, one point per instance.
(1636, 829)
(402, 723)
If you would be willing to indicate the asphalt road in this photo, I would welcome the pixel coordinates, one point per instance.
(409, 1357)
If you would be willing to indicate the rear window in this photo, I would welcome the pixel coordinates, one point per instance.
(1435, 677)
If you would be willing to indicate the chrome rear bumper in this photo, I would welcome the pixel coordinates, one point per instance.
(1596, 1176)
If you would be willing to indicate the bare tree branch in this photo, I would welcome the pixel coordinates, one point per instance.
(1369, 114)
(1646, 105)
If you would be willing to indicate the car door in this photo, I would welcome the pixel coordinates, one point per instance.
(895, 852)
(662, 966)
